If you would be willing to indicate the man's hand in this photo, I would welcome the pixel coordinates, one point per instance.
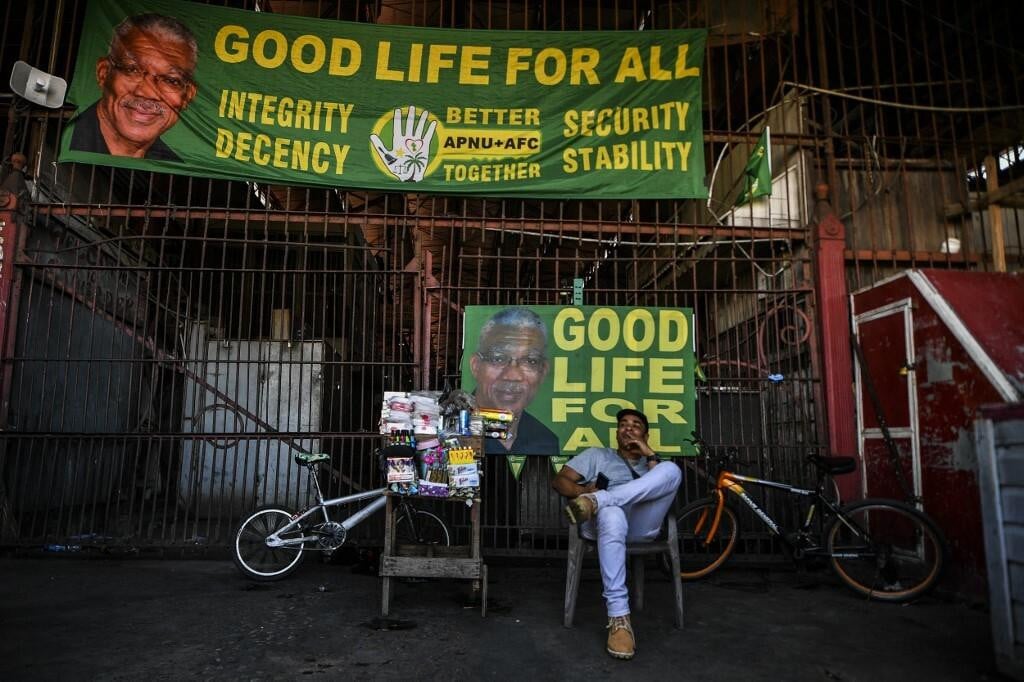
(410, 150)
(639, 446)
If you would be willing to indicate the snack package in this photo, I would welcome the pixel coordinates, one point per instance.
(401, 474)
(401, 470)
(432, 489)
(462, 469)
(464, 481)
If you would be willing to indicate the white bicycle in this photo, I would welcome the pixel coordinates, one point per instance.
(272, 542)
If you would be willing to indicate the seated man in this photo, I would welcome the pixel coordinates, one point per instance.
(639, 493)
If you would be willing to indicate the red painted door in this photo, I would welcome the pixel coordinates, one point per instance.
(886, 338)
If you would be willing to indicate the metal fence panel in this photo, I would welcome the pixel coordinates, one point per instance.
(174, 339)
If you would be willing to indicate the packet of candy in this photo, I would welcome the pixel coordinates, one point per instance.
(462, 469)
(432, 489)
(464, 481)
(401, 470)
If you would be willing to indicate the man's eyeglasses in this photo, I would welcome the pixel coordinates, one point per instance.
(527, 363)
(169, 85)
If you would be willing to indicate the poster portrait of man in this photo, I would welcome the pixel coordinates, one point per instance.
(146, 82)
(509, 365)
(565, 371)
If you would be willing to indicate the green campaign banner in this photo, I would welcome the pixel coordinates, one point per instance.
(564, 372)
(182, 87)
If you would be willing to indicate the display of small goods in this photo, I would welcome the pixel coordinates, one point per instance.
(426, 449)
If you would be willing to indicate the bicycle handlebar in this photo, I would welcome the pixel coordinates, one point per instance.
(728, 460)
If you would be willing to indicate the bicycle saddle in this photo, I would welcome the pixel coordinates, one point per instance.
(311, 457)
(833, 465)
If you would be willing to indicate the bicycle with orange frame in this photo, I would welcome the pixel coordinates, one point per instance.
(880, 548)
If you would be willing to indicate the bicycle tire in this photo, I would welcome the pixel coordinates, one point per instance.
(249, 548)
(425, 529)
(699, 558)
(903, 559)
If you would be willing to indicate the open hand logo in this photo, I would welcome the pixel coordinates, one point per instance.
(408, 158)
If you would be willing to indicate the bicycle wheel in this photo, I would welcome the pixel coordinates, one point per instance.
(251, 554)
(699, 554)
(886, 550)
(420, 527)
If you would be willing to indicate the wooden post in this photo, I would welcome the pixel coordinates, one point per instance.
(389, 550)
(995, 214)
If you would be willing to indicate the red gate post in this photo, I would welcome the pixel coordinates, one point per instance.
(9, 234)
(9, 246)
(834, 313)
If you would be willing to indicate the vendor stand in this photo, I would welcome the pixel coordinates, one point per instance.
(431, 460)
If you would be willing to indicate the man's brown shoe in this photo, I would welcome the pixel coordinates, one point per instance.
(621, 642)
(581, 509)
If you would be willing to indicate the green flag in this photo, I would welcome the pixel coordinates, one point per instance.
(757, 175)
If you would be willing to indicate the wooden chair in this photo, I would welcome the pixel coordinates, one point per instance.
(667, 542)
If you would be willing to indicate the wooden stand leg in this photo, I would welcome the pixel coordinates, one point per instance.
(574, 568)
(483, 591)
(385, 600)
(389, 550)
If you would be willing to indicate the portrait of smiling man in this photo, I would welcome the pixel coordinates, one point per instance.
(146, 82)
(509, 365)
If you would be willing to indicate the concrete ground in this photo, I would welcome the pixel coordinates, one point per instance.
(73, 618)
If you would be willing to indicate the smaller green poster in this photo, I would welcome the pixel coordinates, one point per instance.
(565, 371)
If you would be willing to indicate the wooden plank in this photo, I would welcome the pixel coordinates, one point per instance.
(483, 592)
(1011, 468)
(427, 567)
(995, 214)
(1012, 500)
(906, 256)
(1013, 505)
(389, 527)
(385, 597)
(1014, 540)
(1000, 578)
(1009, 434)
(1016, 580)
(475, 530)
(1002, 196)
(1018, 622)
(432, 551)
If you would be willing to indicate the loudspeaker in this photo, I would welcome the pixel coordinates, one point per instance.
(38, 86)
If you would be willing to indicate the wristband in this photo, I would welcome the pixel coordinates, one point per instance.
(654, 458)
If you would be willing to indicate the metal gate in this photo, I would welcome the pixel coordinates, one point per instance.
(170, 341)
(163, 379)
